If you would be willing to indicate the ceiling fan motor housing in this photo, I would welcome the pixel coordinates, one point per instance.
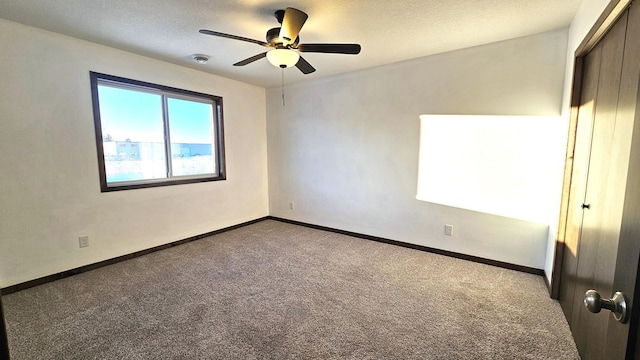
(273, 37)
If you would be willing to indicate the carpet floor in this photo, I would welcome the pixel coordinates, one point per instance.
(273, 290)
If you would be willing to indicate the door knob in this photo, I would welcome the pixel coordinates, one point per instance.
(585, 206)
(617, 305)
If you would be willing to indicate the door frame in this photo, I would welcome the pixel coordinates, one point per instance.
(4, 345)
(607, 19)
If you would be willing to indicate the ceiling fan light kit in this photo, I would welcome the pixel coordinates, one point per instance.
(283, 58)
(285, 44)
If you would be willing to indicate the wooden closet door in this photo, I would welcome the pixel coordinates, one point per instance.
(586, 113)
(604, 250)
(599, 234)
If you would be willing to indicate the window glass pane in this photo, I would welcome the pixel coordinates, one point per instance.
(151, 135)
(192, 137)
(133, 134)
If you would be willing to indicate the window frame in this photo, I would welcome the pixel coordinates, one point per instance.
(168, 92)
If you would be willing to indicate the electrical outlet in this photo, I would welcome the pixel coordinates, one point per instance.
(84, 241)
(291, 205)
(448, 230)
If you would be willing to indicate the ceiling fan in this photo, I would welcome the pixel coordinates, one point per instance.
(284, 43)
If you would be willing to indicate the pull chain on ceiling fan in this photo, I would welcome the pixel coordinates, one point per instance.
(284, 43)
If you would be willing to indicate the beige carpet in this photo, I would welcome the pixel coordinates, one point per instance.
(279, 291)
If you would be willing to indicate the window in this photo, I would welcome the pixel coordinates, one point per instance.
(152, 135)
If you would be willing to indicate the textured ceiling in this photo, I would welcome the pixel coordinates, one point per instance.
(389, 31)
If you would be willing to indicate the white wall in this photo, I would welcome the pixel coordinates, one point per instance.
(345, 149)
(50, 187)
(585, 18)
(357, 132)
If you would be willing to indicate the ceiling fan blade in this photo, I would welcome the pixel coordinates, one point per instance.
(304, 66)
(250, 60)
(291, 24)
(330, 48)
(229, 36)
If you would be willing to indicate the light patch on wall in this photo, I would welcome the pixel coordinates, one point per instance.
(502, 165)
